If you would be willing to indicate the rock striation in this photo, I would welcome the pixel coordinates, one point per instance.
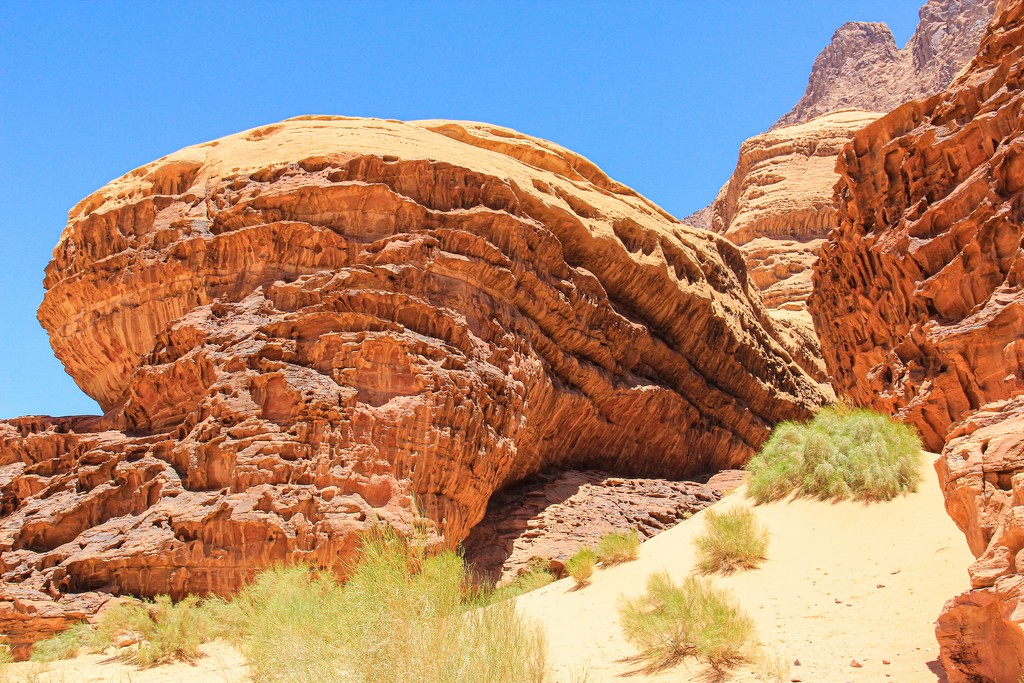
(862, 68)
(918, 293)
(981, 632)
(302, 329)
(919, 304)
(777, 208)
(547, 519)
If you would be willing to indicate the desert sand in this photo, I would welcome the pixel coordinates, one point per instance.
(843, 581)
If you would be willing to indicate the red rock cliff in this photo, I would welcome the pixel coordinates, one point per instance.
(300, 329)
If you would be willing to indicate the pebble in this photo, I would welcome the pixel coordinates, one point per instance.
(855, 664)
(885, 661)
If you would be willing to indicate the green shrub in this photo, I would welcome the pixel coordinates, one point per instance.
(841, 453)
(581, 566)
(731, 540)
(671, 621)
(65, 645)
(403, 615)
(165, 630)
(616, 547)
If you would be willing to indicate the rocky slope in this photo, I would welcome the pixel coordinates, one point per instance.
(919, 303)
(862, 68)
(553, 515)
(301, 329)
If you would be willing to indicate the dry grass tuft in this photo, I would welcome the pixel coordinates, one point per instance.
(403, 615)
(731, 540)
(671, 621)
(65, 645)
(616, 547)
(581, 566)
(165, 630)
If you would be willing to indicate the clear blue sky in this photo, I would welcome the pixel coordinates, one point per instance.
(659, 94)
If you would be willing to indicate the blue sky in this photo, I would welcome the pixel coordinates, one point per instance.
(659, 94)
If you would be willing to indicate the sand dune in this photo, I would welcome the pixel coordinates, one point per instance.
(843, 581)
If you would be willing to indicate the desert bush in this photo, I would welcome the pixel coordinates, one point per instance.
(404, 615)
(64, 645)
(731, 540)
(671, 621)
(581, 566)
(616, 547)
(165, 630)
(841, 453)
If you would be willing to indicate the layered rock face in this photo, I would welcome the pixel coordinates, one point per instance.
(777, 207)
(862, 68)
(552, 516)
(917, 296)
(981, 632)
(302, 329)
(919, 303)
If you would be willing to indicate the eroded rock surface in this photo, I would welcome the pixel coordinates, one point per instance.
(553, 515)
(778, 205)
(300, 329)
(981, 632)
(777, 208)
(919, 303)
(918, 296)
(862, 68)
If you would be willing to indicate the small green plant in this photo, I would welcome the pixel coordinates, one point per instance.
(841, 453)
(165, 630)
(672, 621)
(581, 566)
(65, 645)
(532, 578)
(616, 547)
(731, 540)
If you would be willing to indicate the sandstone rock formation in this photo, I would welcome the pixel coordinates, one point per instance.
(981, 632)
(303, 328)
(919, 303)
(778, 204)
(777, 207)
(917, 296)
(550, 517)
(863, 69)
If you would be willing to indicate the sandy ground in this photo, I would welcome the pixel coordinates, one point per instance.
(219, 664)
(843, 581)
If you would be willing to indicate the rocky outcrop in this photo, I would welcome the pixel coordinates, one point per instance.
(553, 515)
(919, 303)
(918, 294)
(301, 329)
(981, 632)
(862, 68)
